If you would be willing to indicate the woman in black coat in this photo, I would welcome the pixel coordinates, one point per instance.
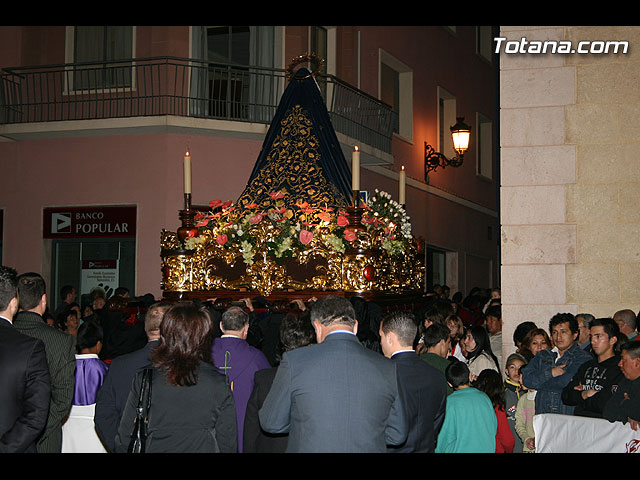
(192, 408)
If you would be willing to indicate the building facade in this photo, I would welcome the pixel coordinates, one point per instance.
(95, 122)
(570, 178)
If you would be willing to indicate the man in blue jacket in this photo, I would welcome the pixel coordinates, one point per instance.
(552, 369)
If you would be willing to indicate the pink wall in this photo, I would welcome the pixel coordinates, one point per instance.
(145, 170)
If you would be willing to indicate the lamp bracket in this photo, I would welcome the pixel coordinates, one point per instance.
(434, 160)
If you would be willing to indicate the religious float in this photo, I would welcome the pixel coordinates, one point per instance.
(299, 229)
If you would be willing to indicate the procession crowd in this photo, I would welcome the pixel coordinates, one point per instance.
(327, 375)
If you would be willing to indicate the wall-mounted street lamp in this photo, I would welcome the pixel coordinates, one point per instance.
(460, 134)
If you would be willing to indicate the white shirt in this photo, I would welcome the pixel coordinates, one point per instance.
(402, 351)
(340, 331)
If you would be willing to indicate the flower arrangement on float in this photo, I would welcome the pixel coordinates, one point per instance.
(284, 230)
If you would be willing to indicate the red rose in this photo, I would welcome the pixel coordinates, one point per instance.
(324, 216)
(304, 206)
(350, 235)
(276, 195)
(221, 239)
(305, 237)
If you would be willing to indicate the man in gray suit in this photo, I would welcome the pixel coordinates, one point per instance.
(335, 396)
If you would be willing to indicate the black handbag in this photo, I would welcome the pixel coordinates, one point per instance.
(141, 420)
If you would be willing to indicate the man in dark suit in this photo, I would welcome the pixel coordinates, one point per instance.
(60, 347)
(423, 387)
(336, 396)
(296, 331)
(25, 386)
(112, 396)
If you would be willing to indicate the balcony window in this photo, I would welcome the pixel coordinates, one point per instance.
(485, 146)
(396, 90)
(484, 42)
(103, 57)
(390, 92)
(228, 86)
(318, 45)
(446, 118)
(232, 82)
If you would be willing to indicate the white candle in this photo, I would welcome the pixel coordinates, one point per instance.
(402, 179)
(355, 169)
(187, 173)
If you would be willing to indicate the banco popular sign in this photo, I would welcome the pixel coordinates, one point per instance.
(89, 222)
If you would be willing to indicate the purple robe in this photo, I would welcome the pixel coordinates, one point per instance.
(90, 372)
(239, 361)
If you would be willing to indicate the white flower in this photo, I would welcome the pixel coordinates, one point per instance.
(335, 242)
(247, 252)
(192, 242)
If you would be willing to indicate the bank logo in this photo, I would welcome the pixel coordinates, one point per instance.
(60, 223)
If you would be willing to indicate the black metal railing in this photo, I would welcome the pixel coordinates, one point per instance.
(181, 87)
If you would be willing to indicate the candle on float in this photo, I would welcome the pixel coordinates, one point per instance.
(402, 181)
(355, 169)
(187, 173)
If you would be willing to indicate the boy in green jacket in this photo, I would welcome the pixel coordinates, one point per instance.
(470, 423)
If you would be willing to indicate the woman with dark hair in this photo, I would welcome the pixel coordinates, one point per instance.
(520, 332)
(534, 341)
(192, 408)
(479, 354)
(68, 322)
(490, 382)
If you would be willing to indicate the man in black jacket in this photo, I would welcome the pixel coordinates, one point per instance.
(423, 387)
(596, 380)
(24, 377)
(114, 392)
(624, 405)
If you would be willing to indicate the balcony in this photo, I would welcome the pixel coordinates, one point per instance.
(168, 86)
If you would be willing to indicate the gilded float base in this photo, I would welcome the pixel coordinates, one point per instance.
(211, 270)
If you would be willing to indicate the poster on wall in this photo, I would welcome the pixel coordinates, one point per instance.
(99, 274)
